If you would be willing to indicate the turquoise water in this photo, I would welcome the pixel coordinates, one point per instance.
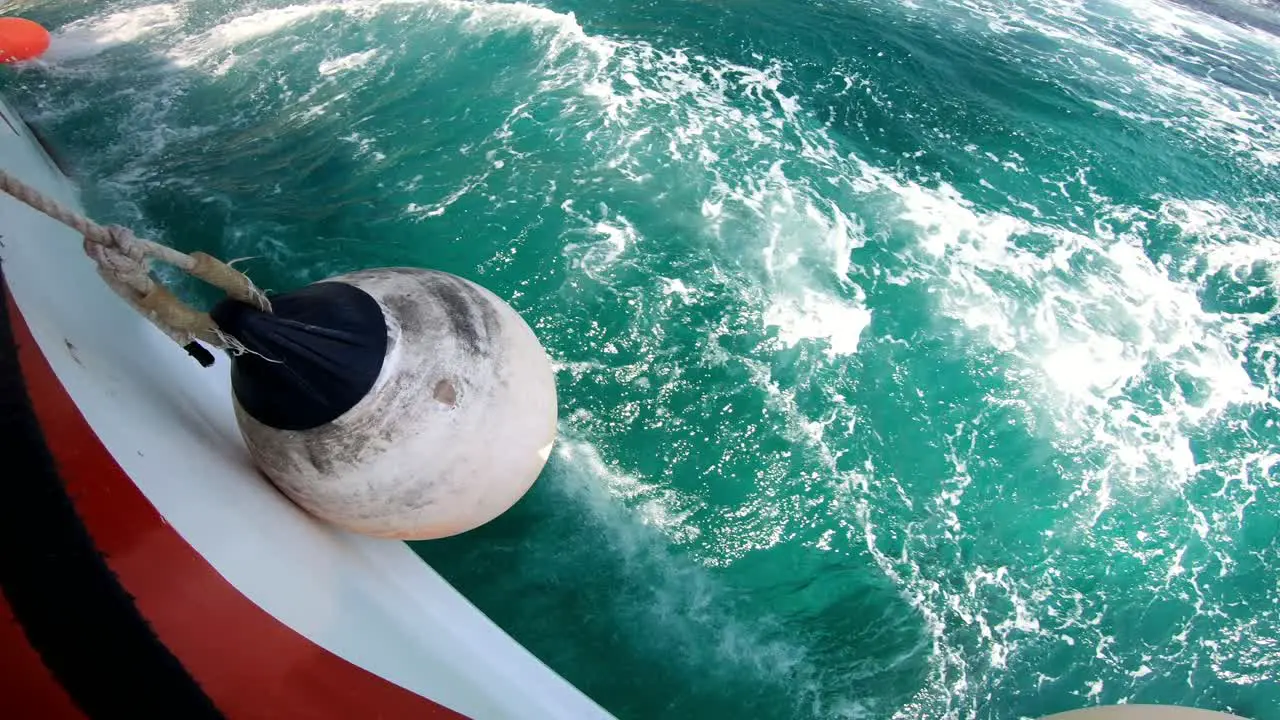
(916, 359)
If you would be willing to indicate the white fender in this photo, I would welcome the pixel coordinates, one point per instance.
(454, 431)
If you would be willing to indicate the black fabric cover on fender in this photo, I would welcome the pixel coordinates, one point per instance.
(322, 347)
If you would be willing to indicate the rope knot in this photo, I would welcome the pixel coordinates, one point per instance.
(124, 262)
(123, 240)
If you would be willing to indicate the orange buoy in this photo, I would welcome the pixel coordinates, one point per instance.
(21, 39)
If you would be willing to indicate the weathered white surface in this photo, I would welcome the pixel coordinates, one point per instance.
(1141, 712)
(454, 431)
(170, 425)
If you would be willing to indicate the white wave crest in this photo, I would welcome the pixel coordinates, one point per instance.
(97, 34)
(346, 62)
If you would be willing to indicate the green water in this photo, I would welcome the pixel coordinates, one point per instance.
(916, 359)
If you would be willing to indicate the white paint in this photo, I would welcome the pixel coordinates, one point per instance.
(454, 431)
(170, 426)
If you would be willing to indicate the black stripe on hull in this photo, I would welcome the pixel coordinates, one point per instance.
(71, 606)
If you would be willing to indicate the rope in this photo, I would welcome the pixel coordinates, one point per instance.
(123, 261)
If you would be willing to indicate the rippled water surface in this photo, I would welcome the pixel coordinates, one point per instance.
(917, 359)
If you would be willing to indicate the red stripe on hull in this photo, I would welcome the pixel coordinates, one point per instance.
(27, 688)
(248, 662)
